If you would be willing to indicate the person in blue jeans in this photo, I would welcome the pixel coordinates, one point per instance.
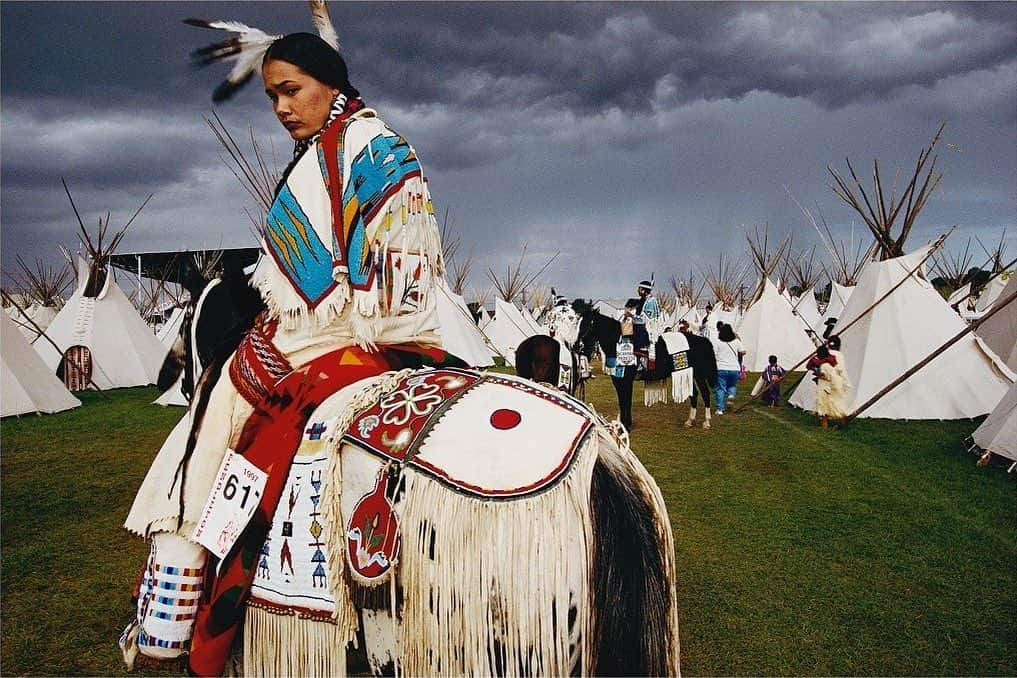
(729, 351)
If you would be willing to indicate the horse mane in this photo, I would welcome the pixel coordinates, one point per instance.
(606, 329)
(227, 314)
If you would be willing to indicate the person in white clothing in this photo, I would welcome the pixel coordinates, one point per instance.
(729, 351)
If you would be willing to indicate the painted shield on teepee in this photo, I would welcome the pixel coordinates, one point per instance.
(372, 533)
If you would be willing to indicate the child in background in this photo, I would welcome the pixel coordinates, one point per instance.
(772, 376)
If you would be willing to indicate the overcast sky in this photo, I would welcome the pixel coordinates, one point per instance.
(627, 137)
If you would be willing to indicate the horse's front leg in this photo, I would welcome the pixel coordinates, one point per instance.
(706, 404)
(693, 403)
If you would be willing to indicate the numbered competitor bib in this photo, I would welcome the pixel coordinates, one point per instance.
(626, 356)
(234, 498)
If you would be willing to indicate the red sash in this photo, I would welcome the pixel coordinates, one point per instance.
(269, 440)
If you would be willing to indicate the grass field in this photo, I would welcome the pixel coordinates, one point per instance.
(880, 549)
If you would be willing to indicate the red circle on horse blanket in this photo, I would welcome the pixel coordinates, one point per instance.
(505, 419)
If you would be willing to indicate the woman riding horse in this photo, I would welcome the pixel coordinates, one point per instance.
(315, 406)
(353, 252)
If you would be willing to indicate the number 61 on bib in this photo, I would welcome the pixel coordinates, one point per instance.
(235, 495)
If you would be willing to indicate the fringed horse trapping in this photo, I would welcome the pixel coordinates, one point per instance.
(464, 523)
(550, 360)
(690, 362)
(685, 357)
(459, 523)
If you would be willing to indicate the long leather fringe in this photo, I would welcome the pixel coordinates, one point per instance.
(487, 583)
(289, 645)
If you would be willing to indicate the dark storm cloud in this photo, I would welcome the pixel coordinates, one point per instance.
(132, 149)
(657, 131)
(585, 56)
(591, 57)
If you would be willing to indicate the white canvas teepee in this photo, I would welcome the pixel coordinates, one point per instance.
(989, 295)
(485, 318)
(535, 327)
(808, 312)
(839, 296)
(460, 336)
(966, 380)
(770, 328)
(998, 433)
(27, 384)
(170, 330)
(35, 316)
(1000, 331)
(507, 330)
(960, 294)
(119, 347)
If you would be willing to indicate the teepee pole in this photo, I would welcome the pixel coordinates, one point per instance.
(932, 356)
(935, 246)
(42, 333)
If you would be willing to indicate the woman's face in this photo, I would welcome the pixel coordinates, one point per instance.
(300, 101)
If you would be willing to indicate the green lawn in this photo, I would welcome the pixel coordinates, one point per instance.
(876, 550)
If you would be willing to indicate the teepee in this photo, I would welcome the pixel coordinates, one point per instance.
(999, 272)
(102, 339)
(726, 282)
(687, 294)
(44, 287)
(26, 384)
(998, 433)
(460, 336)
(895, 318)
(966, 380)
(767, 260)
(990, 293)
(1000, 331)
(953, 270)
(507, 330)
(769, 327)
(803, 273)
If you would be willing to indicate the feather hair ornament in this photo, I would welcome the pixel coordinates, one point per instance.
(323, 22)
(248, 47)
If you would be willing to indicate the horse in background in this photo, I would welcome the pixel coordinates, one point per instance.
(597, 329)
(222, 309)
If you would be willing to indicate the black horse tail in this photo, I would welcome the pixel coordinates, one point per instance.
(172, 365)
(707, 358)
(635, 621)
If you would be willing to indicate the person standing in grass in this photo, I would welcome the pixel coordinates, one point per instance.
(772, 376)
(705, 328)
(832, 394)
(729, 351)
(827, 368)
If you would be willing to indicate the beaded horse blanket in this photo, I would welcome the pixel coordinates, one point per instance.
(472, 432)
(672, 351)
(475, 432)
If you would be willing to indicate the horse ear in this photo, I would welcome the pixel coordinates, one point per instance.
(524, 359)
